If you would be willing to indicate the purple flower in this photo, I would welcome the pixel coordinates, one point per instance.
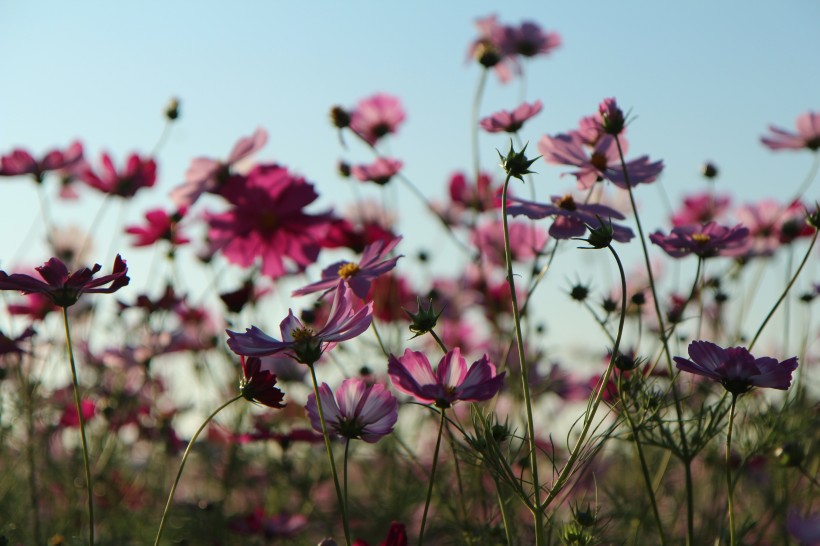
(358, 410)
(379, 172)
(358, 277)
(704, 240)
(376, 116)
(700, 209)
(808, 134)
(65, 289)
(451, 382)
(258, 385)
(572, 218)
(510, 122)
(300, 342)
(735, 368)
(528, 40)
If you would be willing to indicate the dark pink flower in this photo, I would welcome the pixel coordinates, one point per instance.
(207, 175)
(735, 368)
(69, 417)
(37, 306)
(477, 195)
(808, 134)
(376, 117)
(65, 289)
(572, 218)
(704, 240)
(380, 171)
(267, 222)
(452, 381)
(611, 117)
(358, 277)
(20, 162)
(396, 536)
(357, 411)
(160, 226)
(701, 209)
(528, 40)
(138, 173)
(302, 343)
(258, 385)
(510, 122)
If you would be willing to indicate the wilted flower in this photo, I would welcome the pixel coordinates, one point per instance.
(808, 134)
(357, 411)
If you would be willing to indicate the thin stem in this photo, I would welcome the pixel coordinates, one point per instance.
(344, 468)
(438, 340)
(504, 517)
(88, 483)
(475, 113)
(432, 478)
(182, 465)
(729, 487)
(786, 291)
(525, 383)
(379, 338)
(339, 495)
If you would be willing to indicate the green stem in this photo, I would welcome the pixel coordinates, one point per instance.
(339, 495)
(504, 517)
(379, 338)
(525, 383)
(731, 506)
(344, 468)
(438, 340)
(432, 478)
(89, 484)
(182, 465)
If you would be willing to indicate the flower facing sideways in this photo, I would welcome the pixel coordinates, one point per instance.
(808, 134)
(706, 240)
(258, 385)
(735, 368)
(452, 381)
(357, 411)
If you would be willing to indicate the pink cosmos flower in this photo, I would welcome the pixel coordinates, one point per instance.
(376, 117)
(603, 163)
(477, 195)
(510, 122)
(257, 385)
(358, 277)
(161, 226)
(207, 175)
(138, 173)
(528, 40)
(302, 343)
(357, 411)
(701, 209)
(452, 381)
(526, 241)
(735, 368)
(20, 162)
(771, 225)
(69, 417)
(704, 240)
(267, 222)
(491, 48)
(36, 307)
(808, 134)
(571, 217)
(380, 171)
(65, 289)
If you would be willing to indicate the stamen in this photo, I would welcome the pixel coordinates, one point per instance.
(348, 269)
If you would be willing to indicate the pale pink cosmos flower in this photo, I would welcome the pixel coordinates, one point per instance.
(452, 381)
(207, 175)
(379, 172)
(526, 240)
(138, 172)
(358, 276)
(771, 225)
(704, 240)
(510, 122)
(376, 117)
(346, 321)
(571, 217)
(19, 162)
(807, 136)
(357, 411)
(491, 48)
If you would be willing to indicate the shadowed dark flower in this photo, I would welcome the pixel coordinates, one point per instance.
(357, 411)
(706, 241)
(258, 385)
(138, 173)
(571, 217)
(808, 134)
(20, 162)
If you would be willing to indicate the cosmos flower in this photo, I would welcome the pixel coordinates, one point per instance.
(137, 173)
(376, 117)
(571, 217)
(379, 172)
(160, 226)
(357, 411)
(452, 381)
(20, 162)
(258, 385)
(302, 343)
(771, 225)
(807, 136)
(65, 289)
(358, 277)
(510, 122)
(529, 40)
(526, 241)
(704, 240)
(735, 368)
(701, 208)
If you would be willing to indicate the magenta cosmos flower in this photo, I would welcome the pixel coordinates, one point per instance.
(452, 381)
(807, 136)
(20, 162)
(358, 277)
(357, 411)
(258, 385)
(510, 122)
(735, 368)
(379, 172)
(137, 173)
(300, 342)
(704, 240)
(267, 223)
(159, 226)
(572, 218)
(376, 117)
(701, 208)
(65, 289)
(207, 175)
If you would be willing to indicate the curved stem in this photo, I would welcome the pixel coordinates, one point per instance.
(432, 477)
(786, 291)
(182, 465)
(379, 338)
(438, 340)
(339, 495)
(88, 483)
(731, 506)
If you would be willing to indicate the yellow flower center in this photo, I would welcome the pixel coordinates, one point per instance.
(347, 270)
(305, 333)
(701, 238)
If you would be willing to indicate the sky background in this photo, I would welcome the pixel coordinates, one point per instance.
(703, 80)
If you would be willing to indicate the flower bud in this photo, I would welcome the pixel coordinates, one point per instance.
(172, 109)
(339, 117)
(424, 319)
(709, 170)
(611, 117)
(516, 164)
